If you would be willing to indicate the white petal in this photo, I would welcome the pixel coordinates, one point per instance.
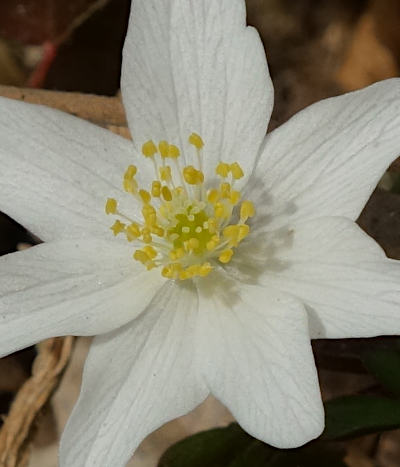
(347, 284)
(194, 66)
(328, 158)
(57, 171)
(258, 361)
(136, 379)
(78, 287)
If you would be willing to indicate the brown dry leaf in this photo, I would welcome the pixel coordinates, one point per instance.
(368, 59)
(388, 454)
(374, 51)
(104, 111)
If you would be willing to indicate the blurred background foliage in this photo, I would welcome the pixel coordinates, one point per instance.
(316, 49)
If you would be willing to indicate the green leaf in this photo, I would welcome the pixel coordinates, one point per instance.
(257, 454)
(313, 454)
(233, 447)
(352, 416)
(212, 448)
(384, 364)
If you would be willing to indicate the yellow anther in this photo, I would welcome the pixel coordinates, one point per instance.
(141, 256)
(173, 151)
(156, 189)
(194, 244)
(130, 172)
(145, 196)
(191, 241)
(183, 275)
(226, 256)
(166, 193)
(130, 185)
(205, 269)
(146, 235)
(165, 173)
(150, 252)
(213, 196)
(244, 230)
(150, 265)
(213, 243)
(222, 169)
(149, 149)
(220, 211)
(118, 227)
(132, 232)
(225, 190)
(236, 171)
(212, 225)
(163, 148)
(171, 271)
(196, 141)
(177, 254)
(111, 206)
(247, 210)
(235, 197)
(157, 230)
(193, 176)
(178, 191)
(231, 233)
(149, 214)
(167, 272)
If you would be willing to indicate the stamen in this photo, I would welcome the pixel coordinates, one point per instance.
(118, 227)
(173, 152)
(196, 141)
(185, 231)
(222, 169)
(246, 210)
(164, 149)
(149, 149)
(111, 206)
(236, 171)
(193, 176)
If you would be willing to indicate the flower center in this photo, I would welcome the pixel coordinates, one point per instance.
(186, 228)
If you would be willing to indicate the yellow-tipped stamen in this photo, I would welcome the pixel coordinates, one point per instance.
(226, 256)
(130, 185)
(246, 210)
(185, 230)
(165, 173)
(130, 172)
(149, 149)
(236, 171)
(196, 141)
(156, 189)
(118, 227)
(145, 196)
(132, 232)
(222, 169)
(111, 206)
(193, 176)
(166, 193)
(173, 152)
(163, 147)
(234, 197)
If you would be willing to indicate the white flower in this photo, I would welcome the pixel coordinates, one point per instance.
(242, 332)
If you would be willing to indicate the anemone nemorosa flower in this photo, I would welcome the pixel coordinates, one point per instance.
(228, 250)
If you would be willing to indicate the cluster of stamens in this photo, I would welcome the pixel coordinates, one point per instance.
(186, 229)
